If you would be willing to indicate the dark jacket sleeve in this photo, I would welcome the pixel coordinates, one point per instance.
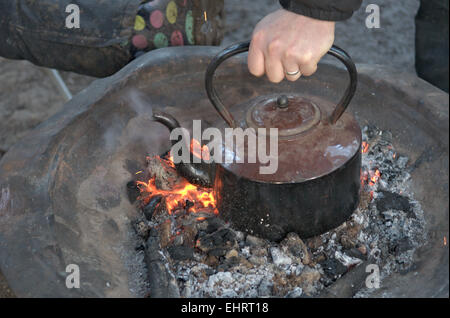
(329, 10)
(36, 31)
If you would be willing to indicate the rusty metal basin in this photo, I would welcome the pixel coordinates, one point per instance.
(62, 188)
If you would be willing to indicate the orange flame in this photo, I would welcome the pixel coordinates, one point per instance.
(365, 147)
(374, 177)
(202, 199)
(199, 151)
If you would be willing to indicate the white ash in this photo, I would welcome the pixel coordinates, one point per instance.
(381, 231)
(279, 258)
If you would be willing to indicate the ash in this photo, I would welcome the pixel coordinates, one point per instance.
(208, 258)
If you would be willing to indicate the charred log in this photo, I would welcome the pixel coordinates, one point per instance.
(161, 279)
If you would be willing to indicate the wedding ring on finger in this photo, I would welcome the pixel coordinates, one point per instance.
(293, 73)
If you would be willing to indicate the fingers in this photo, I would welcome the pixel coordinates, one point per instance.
(274, 70)
(308, 69)
(291, 66)
(276, 60)
(256, 61)
(273, 61)
(279, 61)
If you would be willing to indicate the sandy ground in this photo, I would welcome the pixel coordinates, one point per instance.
(28, 96)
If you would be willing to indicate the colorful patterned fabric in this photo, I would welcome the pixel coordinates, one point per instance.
(163, 23)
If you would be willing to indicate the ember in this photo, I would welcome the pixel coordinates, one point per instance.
(365, 147)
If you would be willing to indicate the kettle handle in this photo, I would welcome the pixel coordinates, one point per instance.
(243, 47)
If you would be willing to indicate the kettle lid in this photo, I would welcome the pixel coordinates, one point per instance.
(290, 114)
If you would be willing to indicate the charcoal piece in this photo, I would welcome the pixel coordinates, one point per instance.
(394, 201)
(347, 241)
(223, 238)
(297, 247)
(189, 235)
(140, 247)
(348, 285)
(224, 267)
(233, 261)
(212, 261)
(132, 191)
(165, 233)
(229, 263)
(149, 209)
(218, 252)
(142, 229)
(214, 224)
(254, 241)
(333, 268)
(356, 253)
(181, 253)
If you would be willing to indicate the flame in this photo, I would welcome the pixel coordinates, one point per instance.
(365, 147)
(201, 199)
(369, 177)
(205, 16)
(169, 160)
(374, 177)
(445, 240)
(199, 151)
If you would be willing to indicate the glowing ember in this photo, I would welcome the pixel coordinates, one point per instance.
(183, 196)
(374, 177)
(369, 177)
(365, 147)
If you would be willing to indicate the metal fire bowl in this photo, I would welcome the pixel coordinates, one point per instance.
(62, 188)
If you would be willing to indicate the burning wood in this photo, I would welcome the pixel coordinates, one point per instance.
(178, 194)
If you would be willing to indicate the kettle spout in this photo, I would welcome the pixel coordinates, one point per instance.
(200, 174)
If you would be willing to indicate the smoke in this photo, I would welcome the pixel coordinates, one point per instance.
(137, 101)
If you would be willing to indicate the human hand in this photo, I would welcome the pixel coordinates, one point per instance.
(284, 42)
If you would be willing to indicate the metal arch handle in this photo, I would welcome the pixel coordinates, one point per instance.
(243, 47)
